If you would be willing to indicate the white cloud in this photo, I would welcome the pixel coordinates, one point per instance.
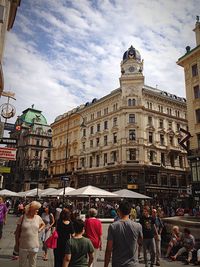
(63, 53)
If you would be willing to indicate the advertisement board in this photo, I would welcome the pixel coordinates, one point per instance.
(7, 153)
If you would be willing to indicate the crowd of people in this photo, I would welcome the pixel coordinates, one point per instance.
(136, 230)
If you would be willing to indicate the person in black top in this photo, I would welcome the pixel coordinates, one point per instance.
(149, 231)
(65, 230)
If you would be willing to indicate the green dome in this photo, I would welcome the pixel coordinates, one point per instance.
(31, 116)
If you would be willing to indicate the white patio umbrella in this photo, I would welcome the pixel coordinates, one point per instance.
(91, 191)
(8, 193)
(30, 193)
(125, 193)
(47, 192)
(59, 192)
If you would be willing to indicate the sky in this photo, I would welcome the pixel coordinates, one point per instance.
(61, 54)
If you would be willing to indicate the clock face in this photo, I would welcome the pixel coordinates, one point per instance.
(131, 69)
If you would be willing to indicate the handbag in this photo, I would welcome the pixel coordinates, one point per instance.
(16, 247)
(51, 242)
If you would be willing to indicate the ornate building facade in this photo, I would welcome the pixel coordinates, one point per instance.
(191, 64)
(33, 151)
(129, 139)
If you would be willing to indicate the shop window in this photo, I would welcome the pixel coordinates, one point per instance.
(153, 179)
(164, 181)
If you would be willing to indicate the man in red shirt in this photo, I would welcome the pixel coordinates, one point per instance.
(93, 230)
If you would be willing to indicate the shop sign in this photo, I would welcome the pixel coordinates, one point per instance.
(7, 153)
(132, 186)
(4, 169)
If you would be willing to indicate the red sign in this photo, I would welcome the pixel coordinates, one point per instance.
(7, 153)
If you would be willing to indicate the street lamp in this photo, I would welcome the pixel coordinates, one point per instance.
(66, 178)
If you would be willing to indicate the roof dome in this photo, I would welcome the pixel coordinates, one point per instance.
(132, 53)
(31, 116)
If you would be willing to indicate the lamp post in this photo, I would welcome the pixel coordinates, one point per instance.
(66, 178)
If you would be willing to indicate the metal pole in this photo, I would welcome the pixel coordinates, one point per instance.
(64, 184)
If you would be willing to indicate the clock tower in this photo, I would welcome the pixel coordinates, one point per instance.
(132, 79)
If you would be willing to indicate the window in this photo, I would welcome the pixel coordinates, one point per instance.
(105, 125)
(149, 105)
(2, 13)
(197, 115)
(49, 144)
(115, 107)
(164, 180)
(173, 181)
(82, 162)
(196, 91)
(36, 153)
(105, 111)
(162, 140)
(131, 118)
(115, 138)
(105, 138)
(150, 137)
(163, 159)
(37, 142)
(97, 141)
(132, 154)
(105, 159)
(114, 156)
(98, 127)
(170, 124)
(84, 132)
(171, 140)
(98, 114)
(91, 143)
(83, 145)
(151, 155)
(169, 111)
(115, 121)
(160, 108)
(161, 123)
(132, 135)
(91, 129)
(177, 113)
(181, 161)
(97, 160)
(92, 116)
(91, 161)
(178, 127)
(150, 120)
(131, 102)
(172, 160)
(194, 70)
(198, 140)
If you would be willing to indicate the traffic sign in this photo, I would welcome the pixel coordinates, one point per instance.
(8, 141)
(65, 178)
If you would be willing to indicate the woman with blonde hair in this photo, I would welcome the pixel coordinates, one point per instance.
(27, 235)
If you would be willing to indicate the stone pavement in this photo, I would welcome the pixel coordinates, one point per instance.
(7, 243)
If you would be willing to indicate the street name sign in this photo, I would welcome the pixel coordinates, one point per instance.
(7, 153)
(65, 178)
(9, 126)
(8, 141)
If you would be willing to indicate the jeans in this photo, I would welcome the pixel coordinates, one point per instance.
(149, 245)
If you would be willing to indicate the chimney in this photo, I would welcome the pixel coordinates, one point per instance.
(197, 31)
